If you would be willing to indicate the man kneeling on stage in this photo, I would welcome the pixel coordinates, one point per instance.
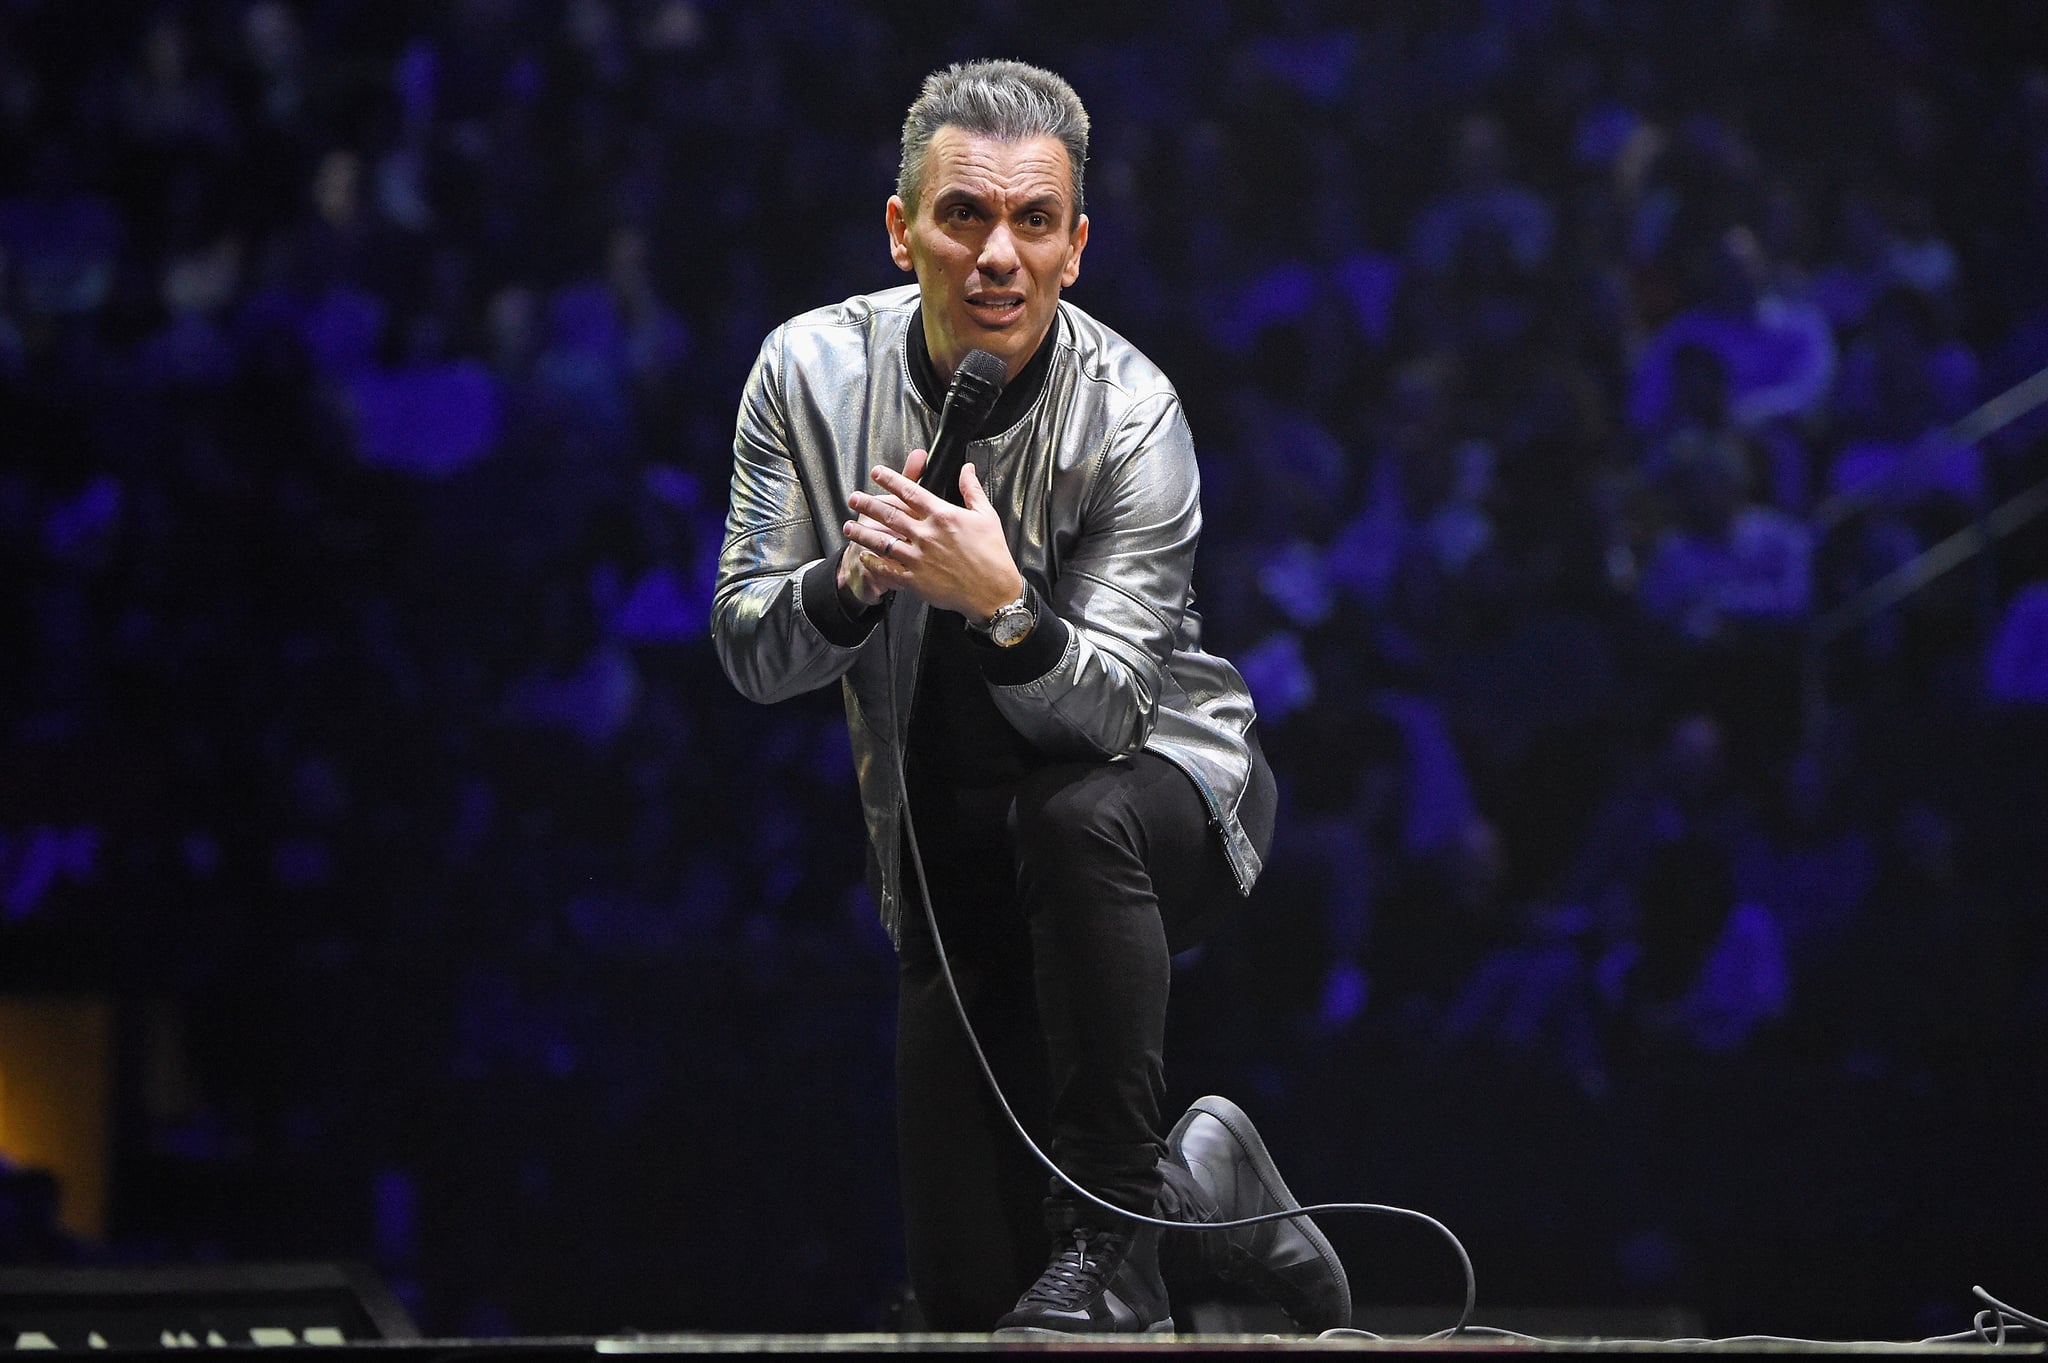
(1020, 659)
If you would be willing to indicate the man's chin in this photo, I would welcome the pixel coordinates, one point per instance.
(1012, 341)
(1012, 338)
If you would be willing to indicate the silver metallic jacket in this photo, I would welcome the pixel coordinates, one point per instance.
(1097, 487)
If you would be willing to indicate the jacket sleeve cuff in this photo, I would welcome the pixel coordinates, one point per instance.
(827, 609)
(1037, 654)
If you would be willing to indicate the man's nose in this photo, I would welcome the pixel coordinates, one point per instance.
(998, 252)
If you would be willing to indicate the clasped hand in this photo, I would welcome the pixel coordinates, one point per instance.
(906, 539)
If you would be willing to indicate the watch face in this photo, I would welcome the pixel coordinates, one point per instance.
(1011, 624)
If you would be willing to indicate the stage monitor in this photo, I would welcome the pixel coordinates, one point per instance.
(134, 1309)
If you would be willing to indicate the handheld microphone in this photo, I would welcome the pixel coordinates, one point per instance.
(977, 383)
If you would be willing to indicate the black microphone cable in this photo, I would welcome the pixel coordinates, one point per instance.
(970, 398)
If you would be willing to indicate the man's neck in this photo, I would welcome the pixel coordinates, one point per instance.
(1018, 394)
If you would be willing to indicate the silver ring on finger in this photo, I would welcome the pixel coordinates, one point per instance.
(889, 549)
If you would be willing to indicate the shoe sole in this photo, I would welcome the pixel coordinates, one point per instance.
(1164, 1327)
(1247, 1137)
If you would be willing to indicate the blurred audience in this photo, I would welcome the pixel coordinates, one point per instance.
(368, 377)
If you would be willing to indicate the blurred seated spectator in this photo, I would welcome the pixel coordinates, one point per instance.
(1460, 528)
(1779, 352)
(1724, 560)
(1810, 862)
(1887, 243)
(2016, 664)
(1538, 994)
(1901, 385)
(1708, 970)
(1908, 470)
(1487, 200)
(63, 242)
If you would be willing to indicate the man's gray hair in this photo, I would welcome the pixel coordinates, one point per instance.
(1009, 101)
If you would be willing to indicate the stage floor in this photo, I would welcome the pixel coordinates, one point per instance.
(1225, 1346)
(1216, 1346)
(841, 1345)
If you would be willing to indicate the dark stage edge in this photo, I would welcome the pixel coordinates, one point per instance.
(1224, 1346)
(842, 1346)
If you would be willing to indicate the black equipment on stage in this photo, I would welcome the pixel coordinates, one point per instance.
(128, 1310)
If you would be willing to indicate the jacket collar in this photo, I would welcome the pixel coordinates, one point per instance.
(1017, 396)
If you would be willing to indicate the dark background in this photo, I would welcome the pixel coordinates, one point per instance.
(367, 375)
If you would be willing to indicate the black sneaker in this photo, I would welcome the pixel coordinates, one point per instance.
(1289, 1263)
(1099, 1282)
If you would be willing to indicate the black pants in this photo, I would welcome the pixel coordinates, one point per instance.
(1060, 938)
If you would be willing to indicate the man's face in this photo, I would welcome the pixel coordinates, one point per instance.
(993, 240)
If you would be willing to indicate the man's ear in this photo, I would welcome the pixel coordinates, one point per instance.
(1077, 242)
(899, 233)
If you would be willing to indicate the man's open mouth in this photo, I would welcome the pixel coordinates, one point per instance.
(996, 308)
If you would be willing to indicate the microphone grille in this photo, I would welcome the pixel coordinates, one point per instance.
(980, 377)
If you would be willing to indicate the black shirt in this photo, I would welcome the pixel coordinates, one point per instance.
(961, 750)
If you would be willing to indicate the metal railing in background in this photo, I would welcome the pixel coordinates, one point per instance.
(1936, 560)
(1988, 420)
(1930, 563)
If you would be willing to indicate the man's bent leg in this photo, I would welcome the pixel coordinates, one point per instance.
(1109, 858)
(1094, 843)
(1117, 869)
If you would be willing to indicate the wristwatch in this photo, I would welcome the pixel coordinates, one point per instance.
(1009, 626)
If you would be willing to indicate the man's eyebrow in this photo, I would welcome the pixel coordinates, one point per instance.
(950, 194)
(1049, 202)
